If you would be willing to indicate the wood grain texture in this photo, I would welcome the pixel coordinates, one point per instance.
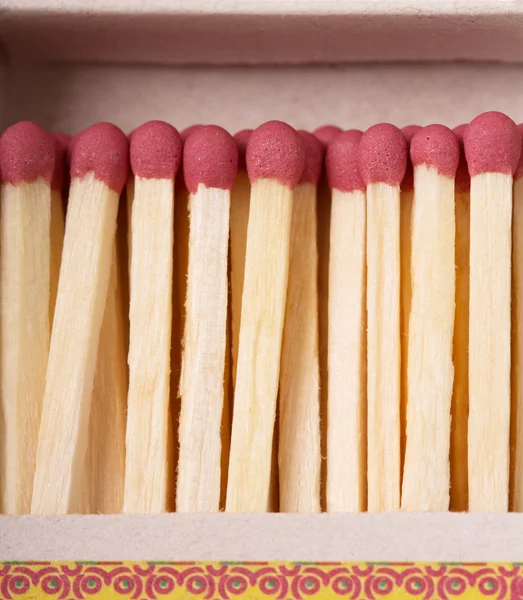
(80, 305)
(489, 341)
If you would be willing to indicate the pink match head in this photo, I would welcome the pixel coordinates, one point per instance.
(210, 156)
(436, 146)
(275, 151)
(407, 183)
(462, 174)
(382, 155)
(492, 144)
(60, 167)
(341, 161)
(155, 150)
(188, 131)
(409, 131)
(104, 150)
(314, 151)
(327, 133)
(242, 138)
(27, 153)
(519, 170)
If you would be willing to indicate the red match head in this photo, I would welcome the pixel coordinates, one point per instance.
(408, 179)
(104, 150)
(327, 133)
(60, 167)
(314, 151)
(382, 155)
(341, 161)
(188, 131)
(275, 151)
(155, 150)
(437, 147)
(462, 174)
(210, 156)
(27, 153)
(519, 170)
(242, 138)
(492, 144)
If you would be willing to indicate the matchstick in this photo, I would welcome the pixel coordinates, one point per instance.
(57, 217)
(383, 158)
(155, 152)
(99, 163)
(325, 134)
(104, 466)
(210, 164)
(275, 161)
(181, 260)
(434, 152)
(406, 196)
(516, 418)
(240, 199)
(460, 396)
(239, 218)
(299, 454)
(27, 164)
(346, 427)
(492, 148)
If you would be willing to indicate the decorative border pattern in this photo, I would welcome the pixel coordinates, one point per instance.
(62, 580)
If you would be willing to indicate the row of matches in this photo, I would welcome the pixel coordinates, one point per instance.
(277, 320)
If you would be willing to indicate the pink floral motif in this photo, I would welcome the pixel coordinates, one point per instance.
(276, 581)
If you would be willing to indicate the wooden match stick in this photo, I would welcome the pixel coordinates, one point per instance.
(325, 134)
(57, 216)
(406, 197)
(104, 466)
(492, 148)
(383, 158)
(346, 427)
(210, 164)
(460, 396)
(275, 161)
(299, 454)
(155, 152)
(181, 260)
(434, 152)
(99, 164)
(516, 418)
(240, 199)
(27, 164)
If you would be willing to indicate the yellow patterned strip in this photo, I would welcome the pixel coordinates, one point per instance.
(62, 580)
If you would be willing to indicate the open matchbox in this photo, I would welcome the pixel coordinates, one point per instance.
(236, 63)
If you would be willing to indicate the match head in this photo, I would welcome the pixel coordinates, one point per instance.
(210, 156)
(155, 150)
(104, 150)
(519, 170)
(61, 141)
(27, 153)
(437, 147)
(275, 151)
(462, 174)
(409, 131)
(382, 155)
(314, 151)
(189, 131)
(407, 182)
(492, 144)
(341, 161)
(327, 133)
(242, 138)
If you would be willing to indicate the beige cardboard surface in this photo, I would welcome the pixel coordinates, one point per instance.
(263, 31)
(70, 97)
(364, 537)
